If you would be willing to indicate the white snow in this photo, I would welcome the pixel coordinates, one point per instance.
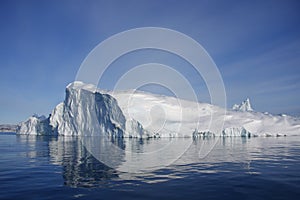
(89, 111)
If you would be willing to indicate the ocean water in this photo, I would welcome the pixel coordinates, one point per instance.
(37, 167)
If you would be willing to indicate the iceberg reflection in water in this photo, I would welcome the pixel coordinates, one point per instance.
(235, 155)
(80, 168)
(136, 155)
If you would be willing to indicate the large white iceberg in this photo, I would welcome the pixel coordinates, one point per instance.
(90, 111)
(86, 111)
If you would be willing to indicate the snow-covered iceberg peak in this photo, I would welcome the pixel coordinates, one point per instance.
(78, 85)
(244, 106)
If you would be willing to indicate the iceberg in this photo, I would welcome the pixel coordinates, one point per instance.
(89, 111)
(35, 125)
(244, 106)
(86, 111)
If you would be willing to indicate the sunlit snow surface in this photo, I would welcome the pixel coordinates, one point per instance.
(87, 109)
(167, 115)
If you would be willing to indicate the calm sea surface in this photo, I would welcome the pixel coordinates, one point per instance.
(229, 168)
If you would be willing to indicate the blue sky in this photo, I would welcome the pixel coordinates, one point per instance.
(255, 44)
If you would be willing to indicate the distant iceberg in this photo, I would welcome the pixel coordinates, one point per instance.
(244, 106)
(35, 125)
(87, 110)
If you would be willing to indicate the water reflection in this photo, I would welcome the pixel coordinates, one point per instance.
(36, 146)
(136, 155)
(80, 168)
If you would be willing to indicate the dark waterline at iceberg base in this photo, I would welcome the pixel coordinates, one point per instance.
(39, 167)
